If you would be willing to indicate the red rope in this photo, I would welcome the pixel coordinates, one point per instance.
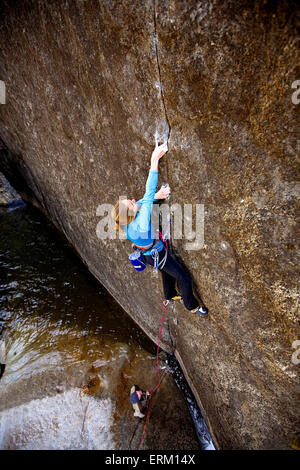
(163, 240)
(158, 375)
(146, 424)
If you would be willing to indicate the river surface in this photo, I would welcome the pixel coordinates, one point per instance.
(71, 354)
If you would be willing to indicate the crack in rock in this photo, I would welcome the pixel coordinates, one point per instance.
(163, 129)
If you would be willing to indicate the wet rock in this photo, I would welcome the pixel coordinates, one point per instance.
(65, 421)
(3, 351)
(8, 195)
(168, 412)
(97, 364)
(93, 386)
(88, 89)
(36, 413)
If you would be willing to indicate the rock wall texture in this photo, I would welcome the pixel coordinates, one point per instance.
(87, 86)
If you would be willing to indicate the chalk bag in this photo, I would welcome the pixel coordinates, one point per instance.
(137, 261)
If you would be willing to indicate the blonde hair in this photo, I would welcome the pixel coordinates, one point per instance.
(119, 214)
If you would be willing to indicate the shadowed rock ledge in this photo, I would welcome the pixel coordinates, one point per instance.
(87, 86)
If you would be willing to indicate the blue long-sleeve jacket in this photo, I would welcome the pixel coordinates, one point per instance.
(139, 230)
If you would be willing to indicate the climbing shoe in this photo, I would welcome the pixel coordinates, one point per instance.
(138, 414)
(176, 298)
(200, 310)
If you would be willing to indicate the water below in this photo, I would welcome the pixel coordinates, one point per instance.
(71, 354)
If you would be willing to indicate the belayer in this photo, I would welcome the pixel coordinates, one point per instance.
(134, 219)
(139, 400)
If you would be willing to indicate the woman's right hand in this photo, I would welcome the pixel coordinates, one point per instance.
(159, 151)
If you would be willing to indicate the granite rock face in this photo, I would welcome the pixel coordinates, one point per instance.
(88, 85)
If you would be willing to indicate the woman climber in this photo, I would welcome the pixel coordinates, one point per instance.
(134, 219)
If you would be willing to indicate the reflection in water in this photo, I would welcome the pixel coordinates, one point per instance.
(51, 301)
(67, 342)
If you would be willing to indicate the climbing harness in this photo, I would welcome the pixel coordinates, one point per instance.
(136, 257)
(154, 252)
(158, 375)
(137, 261)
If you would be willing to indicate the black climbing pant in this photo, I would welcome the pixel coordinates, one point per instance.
(172, 272)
